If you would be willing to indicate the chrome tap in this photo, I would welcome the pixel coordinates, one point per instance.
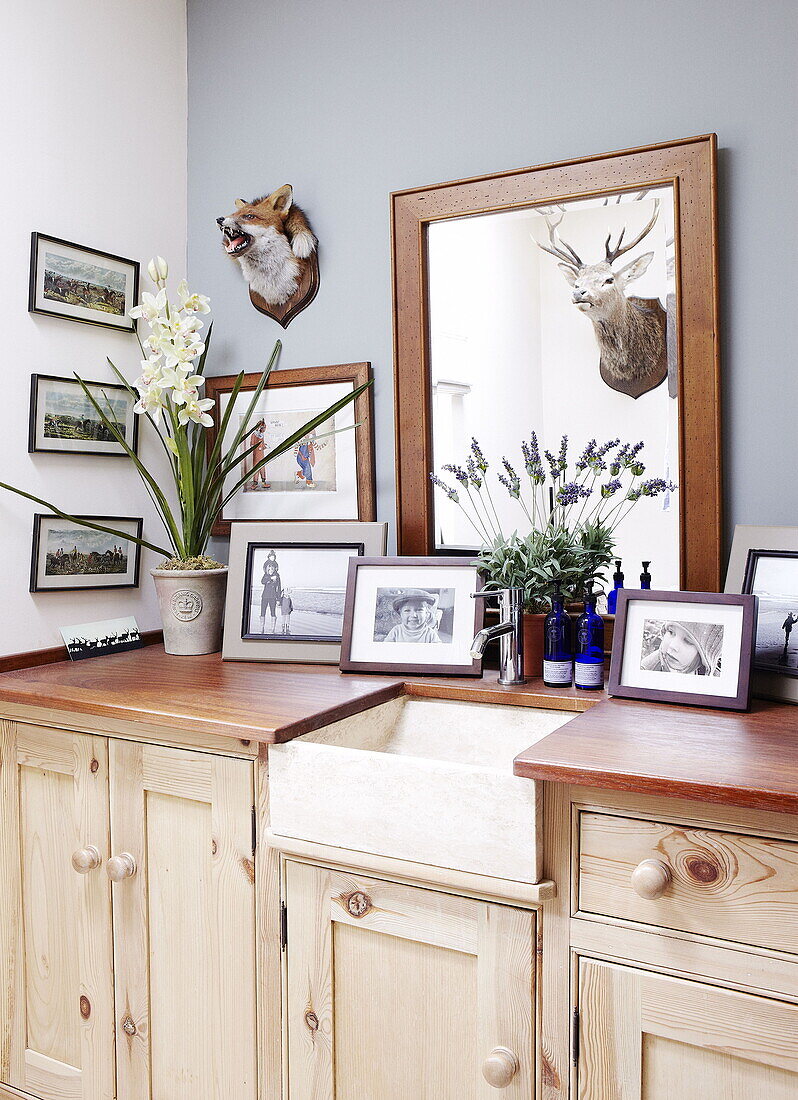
(509, 631)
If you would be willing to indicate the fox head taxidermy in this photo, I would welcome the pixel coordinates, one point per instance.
(270, 238)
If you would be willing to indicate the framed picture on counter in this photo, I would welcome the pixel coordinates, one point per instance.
(63, 420)
(412, 615)
(683, 647)
(287, 585)
(327, 476)
(69, 558)
(81, 284)
(764, 563)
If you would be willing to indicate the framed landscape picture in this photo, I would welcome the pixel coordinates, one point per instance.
(329, 475)
(64, 421)
(412, 615)
(683, 647)
(287, 586)
(81, 284)
(69, 558)
(764, 563)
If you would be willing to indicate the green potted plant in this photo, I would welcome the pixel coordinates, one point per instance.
(569, 517)
(190, 585)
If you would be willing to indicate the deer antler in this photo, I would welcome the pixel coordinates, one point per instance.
(612, 254)
(559, 248)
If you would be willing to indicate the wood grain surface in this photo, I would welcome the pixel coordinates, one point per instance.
(677, 752)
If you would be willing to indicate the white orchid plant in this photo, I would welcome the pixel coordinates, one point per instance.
(168, 394)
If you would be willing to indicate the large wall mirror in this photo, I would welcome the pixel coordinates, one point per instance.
(576, 299)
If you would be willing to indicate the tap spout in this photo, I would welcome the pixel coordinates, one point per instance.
(487, 635)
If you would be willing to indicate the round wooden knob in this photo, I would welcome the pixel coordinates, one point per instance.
(121, 867)
(499, 1068)
(86, 859)
(651, 878)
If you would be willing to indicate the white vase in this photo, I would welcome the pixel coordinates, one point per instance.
(192, 609)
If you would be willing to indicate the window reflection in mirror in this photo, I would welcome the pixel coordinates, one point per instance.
(559, 319)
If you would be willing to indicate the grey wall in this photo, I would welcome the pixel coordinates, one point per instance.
(351, 100)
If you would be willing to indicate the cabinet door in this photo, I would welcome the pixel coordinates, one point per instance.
(56, 1007)
(184, 924)
(646, 1036)
(398, 992)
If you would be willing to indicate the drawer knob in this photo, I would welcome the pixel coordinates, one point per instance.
(121, 867)
(86, 859)
(651, 878)
(499, 1068)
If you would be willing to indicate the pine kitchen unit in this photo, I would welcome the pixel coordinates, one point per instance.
(285, 882)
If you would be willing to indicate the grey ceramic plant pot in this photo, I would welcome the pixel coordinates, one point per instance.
(192, 609)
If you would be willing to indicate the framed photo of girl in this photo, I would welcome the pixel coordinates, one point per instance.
(82, 284)
(412, 615)
(684, 647)
(327, 476)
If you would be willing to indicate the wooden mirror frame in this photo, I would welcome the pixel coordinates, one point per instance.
(690, 167)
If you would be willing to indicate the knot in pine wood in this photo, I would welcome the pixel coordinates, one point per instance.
(95, 766)
(357, 904)
(85, 1007)
(702, 870)
(312, 1020)
(128, 1026)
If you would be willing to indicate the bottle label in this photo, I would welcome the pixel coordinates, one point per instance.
(557, 672)
(589, 673)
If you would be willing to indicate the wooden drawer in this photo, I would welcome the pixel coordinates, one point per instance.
(719, 884)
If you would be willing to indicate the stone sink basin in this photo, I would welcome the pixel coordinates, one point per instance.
(418, 779)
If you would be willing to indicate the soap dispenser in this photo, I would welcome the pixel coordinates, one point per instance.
(617, 580)
(558, 657)
(589, 656)
(645, 576)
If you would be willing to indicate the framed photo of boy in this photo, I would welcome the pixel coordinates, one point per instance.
(683, 647)
(81, 284)
(287, 585)
(327, 476)
(412, 615)
(69, 558)
(764, 562)
(63, 420)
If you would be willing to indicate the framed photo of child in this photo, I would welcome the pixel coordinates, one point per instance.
(411, 615)
(329, 475)
(684, 647)
(287, 585)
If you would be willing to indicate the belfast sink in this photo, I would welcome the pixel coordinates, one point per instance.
(426, 780)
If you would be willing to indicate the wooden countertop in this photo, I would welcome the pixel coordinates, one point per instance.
(260, 702)
(677, 752)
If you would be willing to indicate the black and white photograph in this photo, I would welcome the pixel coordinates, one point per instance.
(67, 557)
(414, 615)
(81, 284)
(704, 641)
(296, 592)
(287, 585)
(693, 649)
(64, 421)
(772, 575)
(101, 639)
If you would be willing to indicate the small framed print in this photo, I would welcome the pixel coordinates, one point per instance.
(67, 557)
(764, 563)
(101, 639)
(412, 615)
(81, 284)
(287, 586)
(327, 476)
(64, 421)
(683, 647)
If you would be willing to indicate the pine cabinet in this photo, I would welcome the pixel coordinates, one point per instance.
(648, 1036)
(396, 991)
(127, 919)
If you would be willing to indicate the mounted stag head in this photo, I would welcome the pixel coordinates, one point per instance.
(630, 331)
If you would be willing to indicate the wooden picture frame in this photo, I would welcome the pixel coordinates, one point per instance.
(690, 167)
(64, 283)
(425, 575)
(720, 660)
(71, 444)
(348, 374)
(94, 581)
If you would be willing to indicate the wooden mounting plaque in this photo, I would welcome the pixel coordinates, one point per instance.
(306, 292)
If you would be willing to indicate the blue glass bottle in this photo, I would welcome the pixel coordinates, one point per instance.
(645, 576)
(589, 657)
(558, 654)
(612, 596)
